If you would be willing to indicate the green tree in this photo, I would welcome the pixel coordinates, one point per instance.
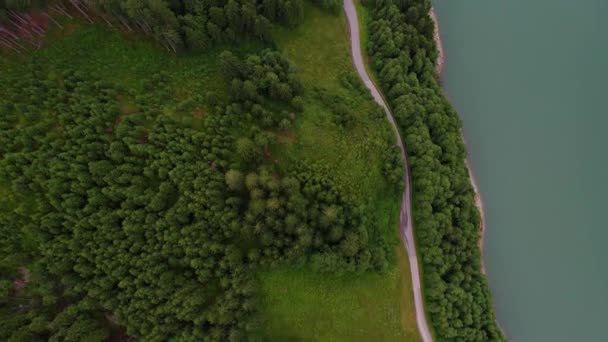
(247, 150)
(234, 180)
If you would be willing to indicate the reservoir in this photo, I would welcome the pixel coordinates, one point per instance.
(528, 79)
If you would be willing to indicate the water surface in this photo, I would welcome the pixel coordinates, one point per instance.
(528, 80)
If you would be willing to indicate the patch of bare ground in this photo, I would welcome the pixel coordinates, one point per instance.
(21, 282)
(22, 32)
(287, 137)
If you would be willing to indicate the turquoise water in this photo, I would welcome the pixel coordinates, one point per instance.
(528, 79)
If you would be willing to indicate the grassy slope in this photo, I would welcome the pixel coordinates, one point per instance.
(364, 15)
(302, 305)
(353, 153)
(313, 307)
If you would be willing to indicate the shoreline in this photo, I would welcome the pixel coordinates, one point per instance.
(439, 64)
(479, 205)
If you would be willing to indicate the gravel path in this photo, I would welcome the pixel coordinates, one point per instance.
(405, 221)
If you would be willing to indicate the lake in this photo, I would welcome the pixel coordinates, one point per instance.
(527, 78)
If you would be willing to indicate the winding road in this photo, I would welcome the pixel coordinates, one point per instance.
(405, 220)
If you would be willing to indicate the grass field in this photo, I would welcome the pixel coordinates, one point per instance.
(319, 47)
(306, 306)
(354, 153)
(298, 304)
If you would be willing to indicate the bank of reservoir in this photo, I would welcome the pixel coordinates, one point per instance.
(528, 79)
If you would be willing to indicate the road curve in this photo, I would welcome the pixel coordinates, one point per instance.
(405, 219)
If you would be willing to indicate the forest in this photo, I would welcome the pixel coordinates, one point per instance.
(178, 24)
(112, 208)
(119, 199)
(446, 219)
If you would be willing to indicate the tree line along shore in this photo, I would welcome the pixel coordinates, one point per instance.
(405, 52)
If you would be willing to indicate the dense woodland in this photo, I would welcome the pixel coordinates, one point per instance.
(182, 24)
(110, 211)
(445, 217)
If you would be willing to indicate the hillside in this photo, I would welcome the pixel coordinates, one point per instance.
(245, 188)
